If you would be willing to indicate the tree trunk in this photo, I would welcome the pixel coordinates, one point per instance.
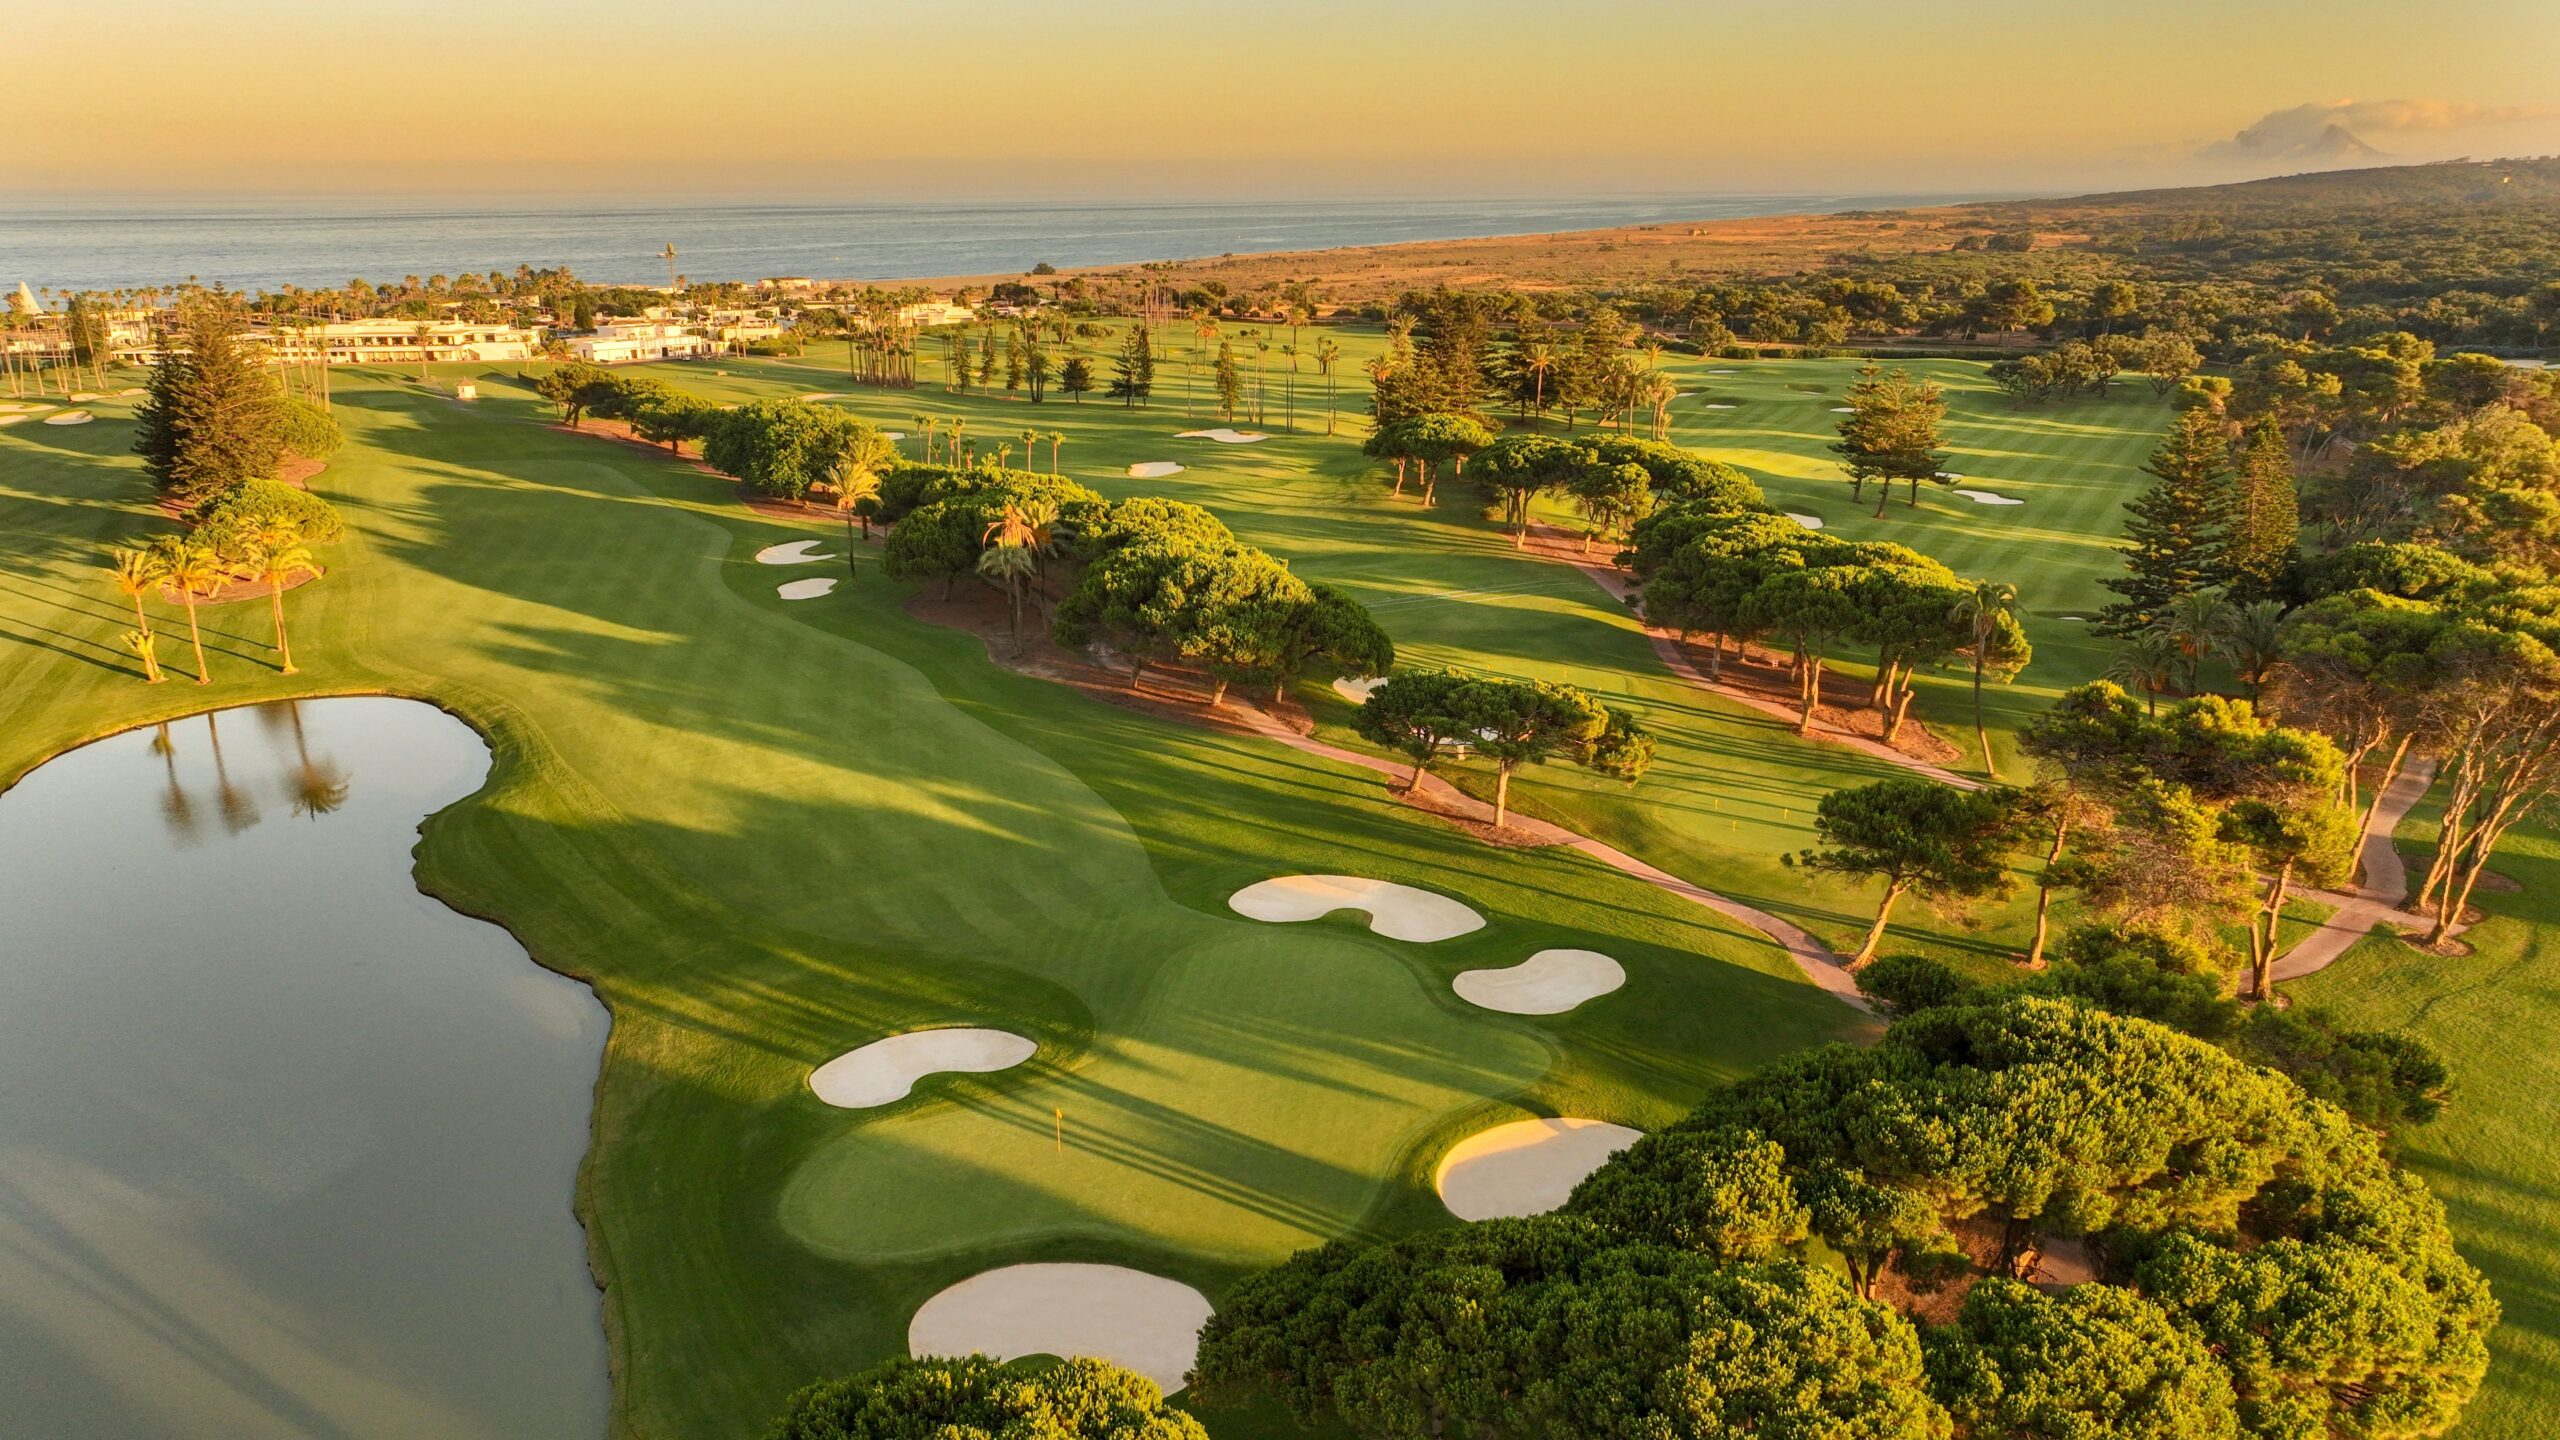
(1501, 793)
(1875, 933)
(1901, 708)
(1812, 694)
(1981, 732)
(2262, 946)
(1413, 781)
(196, 635)
(2044, 887)
(1218, 692)
(2389, 774)
(284, 647)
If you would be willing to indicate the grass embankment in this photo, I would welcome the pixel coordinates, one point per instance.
(768, 832)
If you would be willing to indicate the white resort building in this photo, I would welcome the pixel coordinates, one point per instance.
(617, 342)
(400, 342)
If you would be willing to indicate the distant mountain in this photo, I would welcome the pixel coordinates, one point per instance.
(2335, 145)
(2448, 182)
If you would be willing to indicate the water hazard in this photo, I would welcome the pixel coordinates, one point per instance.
(286, 1147)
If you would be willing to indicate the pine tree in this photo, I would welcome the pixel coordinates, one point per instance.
(2179, 525)
(2266, 518)
(211, 420)
(1133, 370)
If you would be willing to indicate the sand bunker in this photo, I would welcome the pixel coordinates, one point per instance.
(131, 391)
(884, 1071)
(1399, 912)
(1225, 436)
(1717, 405)
(1356, 688)
(893, 434)
(69, 417)
(1720, 372)
(822, 394)
(13, 419)
(1134, 1320)
(84, 397)
(1985, 497)
(804, 589)
(795, 552)
(1844, 409)
(1810, 522)
(1528, 1167)
(1547, 983)
(1153, 470)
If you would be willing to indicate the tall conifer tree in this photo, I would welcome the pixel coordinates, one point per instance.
(2178, 530)
(2266, 518)
(211, 420)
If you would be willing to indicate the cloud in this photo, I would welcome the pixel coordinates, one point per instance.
(2335, 130)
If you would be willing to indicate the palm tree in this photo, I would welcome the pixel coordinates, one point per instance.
(1989, 602)
(857, 496)
(192, 569)
(277, 561)
(1328, 357)
(930, 425)
(2253, 641)
(140, 573)
(1055, 440)
(1012, 557)
(2149, 664)
(2194, 622)
(1031, 447)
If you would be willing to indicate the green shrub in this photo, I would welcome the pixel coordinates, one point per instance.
(307, 430)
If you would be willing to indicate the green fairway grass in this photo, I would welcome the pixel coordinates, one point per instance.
(2494, 1157)
(1732, 789)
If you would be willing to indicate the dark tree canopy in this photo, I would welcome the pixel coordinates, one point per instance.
(979, 1399)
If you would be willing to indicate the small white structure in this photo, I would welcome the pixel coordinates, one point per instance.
(623, 342)
(926, 313)
(466, 390)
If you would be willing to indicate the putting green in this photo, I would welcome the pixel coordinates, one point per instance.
(1245, 1108)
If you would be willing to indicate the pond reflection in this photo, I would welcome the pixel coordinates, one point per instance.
(308, 784)
(286, 1148)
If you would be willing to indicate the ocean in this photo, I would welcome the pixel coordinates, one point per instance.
(73, 244)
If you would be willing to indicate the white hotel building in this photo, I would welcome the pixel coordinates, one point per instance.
(617, 342)
(400, 342)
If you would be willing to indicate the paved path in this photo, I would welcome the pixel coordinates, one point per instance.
(2378, 899)
(1620, 586)
(1812, 957)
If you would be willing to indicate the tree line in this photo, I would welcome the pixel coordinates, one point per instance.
(2297, 1284)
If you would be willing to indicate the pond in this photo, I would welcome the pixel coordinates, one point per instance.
(286, 1148)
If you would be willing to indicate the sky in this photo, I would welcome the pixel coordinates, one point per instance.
(1171, 99)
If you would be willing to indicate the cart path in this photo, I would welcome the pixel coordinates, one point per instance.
(1810, 955)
